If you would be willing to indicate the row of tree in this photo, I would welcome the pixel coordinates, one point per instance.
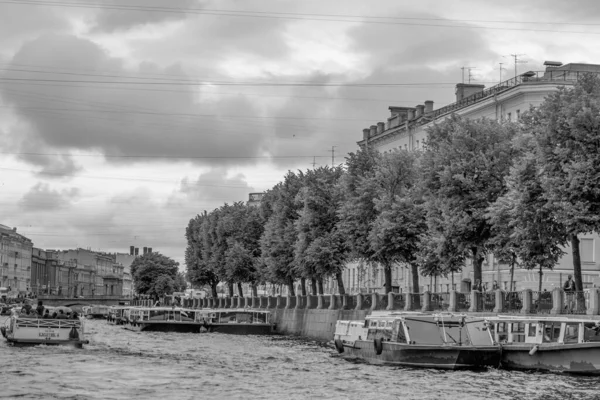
(521, 191)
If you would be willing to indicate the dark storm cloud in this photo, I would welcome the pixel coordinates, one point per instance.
(131, 13)
(42, 198)
(155, 121)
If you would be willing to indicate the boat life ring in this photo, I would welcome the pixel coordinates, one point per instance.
(339, 346)
(378, 345)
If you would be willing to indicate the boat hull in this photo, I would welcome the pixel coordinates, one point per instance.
(426, 356)
(52, 332)
(581, 359)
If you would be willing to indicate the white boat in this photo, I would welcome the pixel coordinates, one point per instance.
(117, 315)
(95, 312)
(26, 330)
(413, 339)
(555, 344)
(170, 319)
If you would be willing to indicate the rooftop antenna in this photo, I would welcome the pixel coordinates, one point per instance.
(463, 73)
(470, 75)
(314, 161)
(501, 68)
(517, 61)
(332, 155)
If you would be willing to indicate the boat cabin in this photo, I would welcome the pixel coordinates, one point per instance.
(157, 314)
(545, 330)
(233, 316)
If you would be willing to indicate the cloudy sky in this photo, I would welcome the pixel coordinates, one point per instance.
(122, 119)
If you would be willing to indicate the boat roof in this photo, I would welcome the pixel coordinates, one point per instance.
(535, 318)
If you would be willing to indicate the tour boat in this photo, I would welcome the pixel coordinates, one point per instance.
(27, 330)
(555, 344)
(95, 312)
(116, 315)
(442, 341)
(170, 319)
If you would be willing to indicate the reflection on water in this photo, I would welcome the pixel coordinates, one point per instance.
(119, 364)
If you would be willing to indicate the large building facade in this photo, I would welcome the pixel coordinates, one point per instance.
(15, 261)
(406, 128)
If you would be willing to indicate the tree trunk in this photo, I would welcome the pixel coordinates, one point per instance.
(303, 286)
(213, 289)
(512, 274)
(576, 263)
(313, 286)
(320, 286)
(414, 271)
(291, 288)
(240, 291)
(387, 271)
(340, 282)
(230, 287)
(540, 283)
(254, 290)
(477, 262)
(577, 273)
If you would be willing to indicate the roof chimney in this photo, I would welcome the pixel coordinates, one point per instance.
(373, 130)
(420, 109)
(380, 127)
(428, 106)
(464, 90)
(366, 133)
(411, 114)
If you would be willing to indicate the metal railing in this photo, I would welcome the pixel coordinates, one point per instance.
(541, 302)
(575, 302)
(383, 302)
(399, 301)
(463, 301)
(440, 301)
(513, 302)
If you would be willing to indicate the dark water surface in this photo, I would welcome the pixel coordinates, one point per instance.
(119, 364)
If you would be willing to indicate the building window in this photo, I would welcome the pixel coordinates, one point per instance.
(587, 250)
(518, 114)
(509, 117)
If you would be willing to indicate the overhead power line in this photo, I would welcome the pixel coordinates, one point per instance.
(382, 20)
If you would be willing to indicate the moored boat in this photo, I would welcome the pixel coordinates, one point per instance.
(27, 330)
(442, 341)
(553, 344)
(117, 315)
(234, 321)
(95, 312)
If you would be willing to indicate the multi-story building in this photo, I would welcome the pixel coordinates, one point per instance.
(15, 261)
(406, 128)
(126, 260)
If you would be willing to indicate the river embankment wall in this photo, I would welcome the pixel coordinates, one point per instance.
(314, 324)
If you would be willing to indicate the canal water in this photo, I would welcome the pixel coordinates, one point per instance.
(120, 364)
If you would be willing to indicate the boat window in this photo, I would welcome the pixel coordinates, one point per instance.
(373, 323)
(382, 324)
(502, 330)
(479, 333)
(157, 315)
(571, 333)
(591, 332)
(389, 324)
(532, 330)
(551, 331)
(518, 327)
(398, 331)
(423, 332)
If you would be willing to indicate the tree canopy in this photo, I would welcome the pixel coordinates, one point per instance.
(154, 274)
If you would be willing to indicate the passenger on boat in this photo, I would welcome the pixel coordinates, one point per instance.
(61, 315)
(26, 308)
(40, 308)
(75, 315)
(46, 314)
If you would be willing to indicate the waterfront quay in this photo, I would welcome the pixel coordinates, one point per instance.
(315, 316)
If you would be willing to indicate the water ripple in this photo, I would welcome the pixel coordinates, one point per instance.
(118, 365)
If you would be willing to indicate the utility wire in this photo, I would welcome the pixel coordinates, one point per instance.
(293, 16)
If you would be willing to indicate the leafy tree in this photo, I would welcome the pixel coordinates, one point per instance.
(464, 165)
(523, 219)
(396, 231)
(148, 268)
(164, 285)
(179, 283)
(277, 242)
(197, 254)
(566, 128)
(356, 210)
(319, 249)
